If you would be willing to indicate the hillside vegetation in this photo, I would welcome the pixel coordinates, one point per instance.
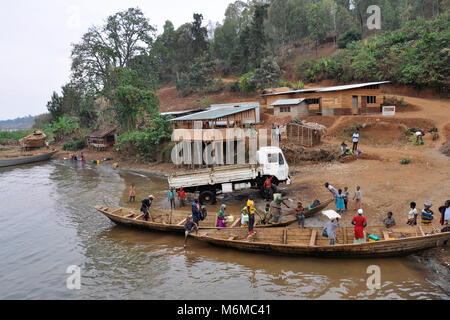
(118, 67)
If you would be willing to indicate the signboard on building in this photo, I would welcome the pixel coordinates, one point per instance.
(389, 111)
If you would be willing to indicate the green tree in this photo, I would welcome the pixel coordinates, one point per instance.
(317, 23)
(125, 35)
(55, 106)
(257, 39)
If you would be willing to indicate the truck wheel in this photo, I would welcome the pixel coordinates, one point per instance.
(207, 197)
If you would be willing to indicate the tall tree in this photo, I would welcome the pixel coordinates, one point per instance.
(317, 23)
(199, 36)
(257, 37)
(125, 35)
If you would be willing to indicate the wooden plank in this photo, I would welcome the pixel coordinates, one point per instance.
(284, 236)
(129, 215)
(139, 216)
(232, 238)
(344, 232)
(421, 231)
(312, 241)
(181, 222)
(386, 235)
(235, 223)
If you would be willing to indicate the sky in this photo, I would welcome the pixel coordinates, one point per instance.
(36, 38)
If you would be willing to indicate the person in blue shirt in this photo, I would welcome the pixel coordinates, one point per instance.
(171, 198)
(196, 211)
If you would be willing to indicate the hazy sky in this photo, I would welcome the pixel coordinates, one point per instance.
(36, 38)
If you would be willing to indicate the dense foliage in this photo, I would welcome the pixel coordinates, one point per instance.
(417, 54)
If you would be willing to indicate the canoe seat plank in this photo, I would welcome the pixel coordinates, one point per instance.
(386, 235)
(421, 231)
(284, 236)
(129, 215)
(181, 222)
(235, 223)
(232, 238)
(139, 216)
(116, 211)
(312, 241)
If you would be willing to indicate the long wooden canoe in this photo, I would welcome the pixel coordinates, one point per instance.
(17, 160)
(310, 242)
(172, 221)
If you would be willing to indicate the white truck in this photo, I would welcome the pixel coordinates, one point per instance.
(231, 178)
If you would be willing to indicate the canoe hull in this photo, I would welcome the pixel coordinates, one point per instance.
(379, 249)
(7, 162)
(165, 227)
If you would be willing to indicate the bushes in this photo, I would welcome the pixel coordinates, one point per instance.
(245, 83)
(74, 145)
(234, 86)
(348, 37)
(416, 55)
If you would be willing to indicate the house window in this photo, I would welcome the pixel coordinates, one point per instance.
(313, 101)
(373, 87)
(285, 109)
(371, 99)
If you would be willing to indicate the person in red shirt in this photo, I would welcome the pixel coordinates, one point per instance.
(268, 189)
(181, 196)
(360, 223)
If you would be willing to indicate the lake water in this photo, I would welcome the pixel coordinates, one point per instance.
(48, 223)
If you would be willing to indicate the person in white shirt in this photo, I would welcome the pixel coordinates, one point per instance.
(412, 215)
(355, 140)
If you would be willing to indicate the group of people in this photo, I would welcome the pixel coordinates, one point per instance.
(74, 157)
(427, 214)
(341, 198)
(180, 193)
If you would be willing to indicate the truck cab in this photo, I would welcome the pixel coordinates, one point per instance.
(273, 163)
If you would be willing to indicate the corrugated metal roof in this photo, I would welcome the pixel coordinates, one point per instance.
(178, 112)
(240, 104)
(327, 89)
(215, 113)
(287, 102)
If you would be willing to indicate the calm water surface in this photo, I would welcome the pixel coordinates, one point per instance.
(48, 223)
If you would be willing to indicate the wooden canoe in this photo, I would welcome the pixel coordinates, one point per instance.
(18, 160)
(310, 242)
(170, 221)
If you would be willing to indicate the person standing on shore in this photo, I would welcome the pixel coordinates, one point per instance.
(358, 198)
(268, 189)
(181, 196)
(360, 223)
(412, 215)
(132, 192)
(340, 206)
(333, 191)
(427, 214)
(355, 140)
(345, 197)
(171, 198)
(275, 209)
(445, 213)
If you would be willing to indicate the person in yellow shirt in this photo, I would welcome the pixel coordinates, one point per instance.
(251, 214)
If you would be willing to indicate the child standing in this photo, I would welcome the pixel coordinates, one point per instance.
(340, 202)
(412, 215)
(346, 198)
(358, 198)
(300, 214)
(132, 193)
(427, 214)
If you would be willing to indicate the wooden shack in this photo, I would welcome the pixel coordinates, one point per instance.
(362, 98)
(103, 139)
(306, 134)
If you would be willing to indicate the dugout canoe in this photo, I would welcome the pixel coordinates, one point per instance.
(15, 160)
(170, 221)
(310, 242)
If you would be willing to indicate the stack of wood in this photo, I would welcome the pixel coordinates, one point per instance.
(307, 134)
(34, 140)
